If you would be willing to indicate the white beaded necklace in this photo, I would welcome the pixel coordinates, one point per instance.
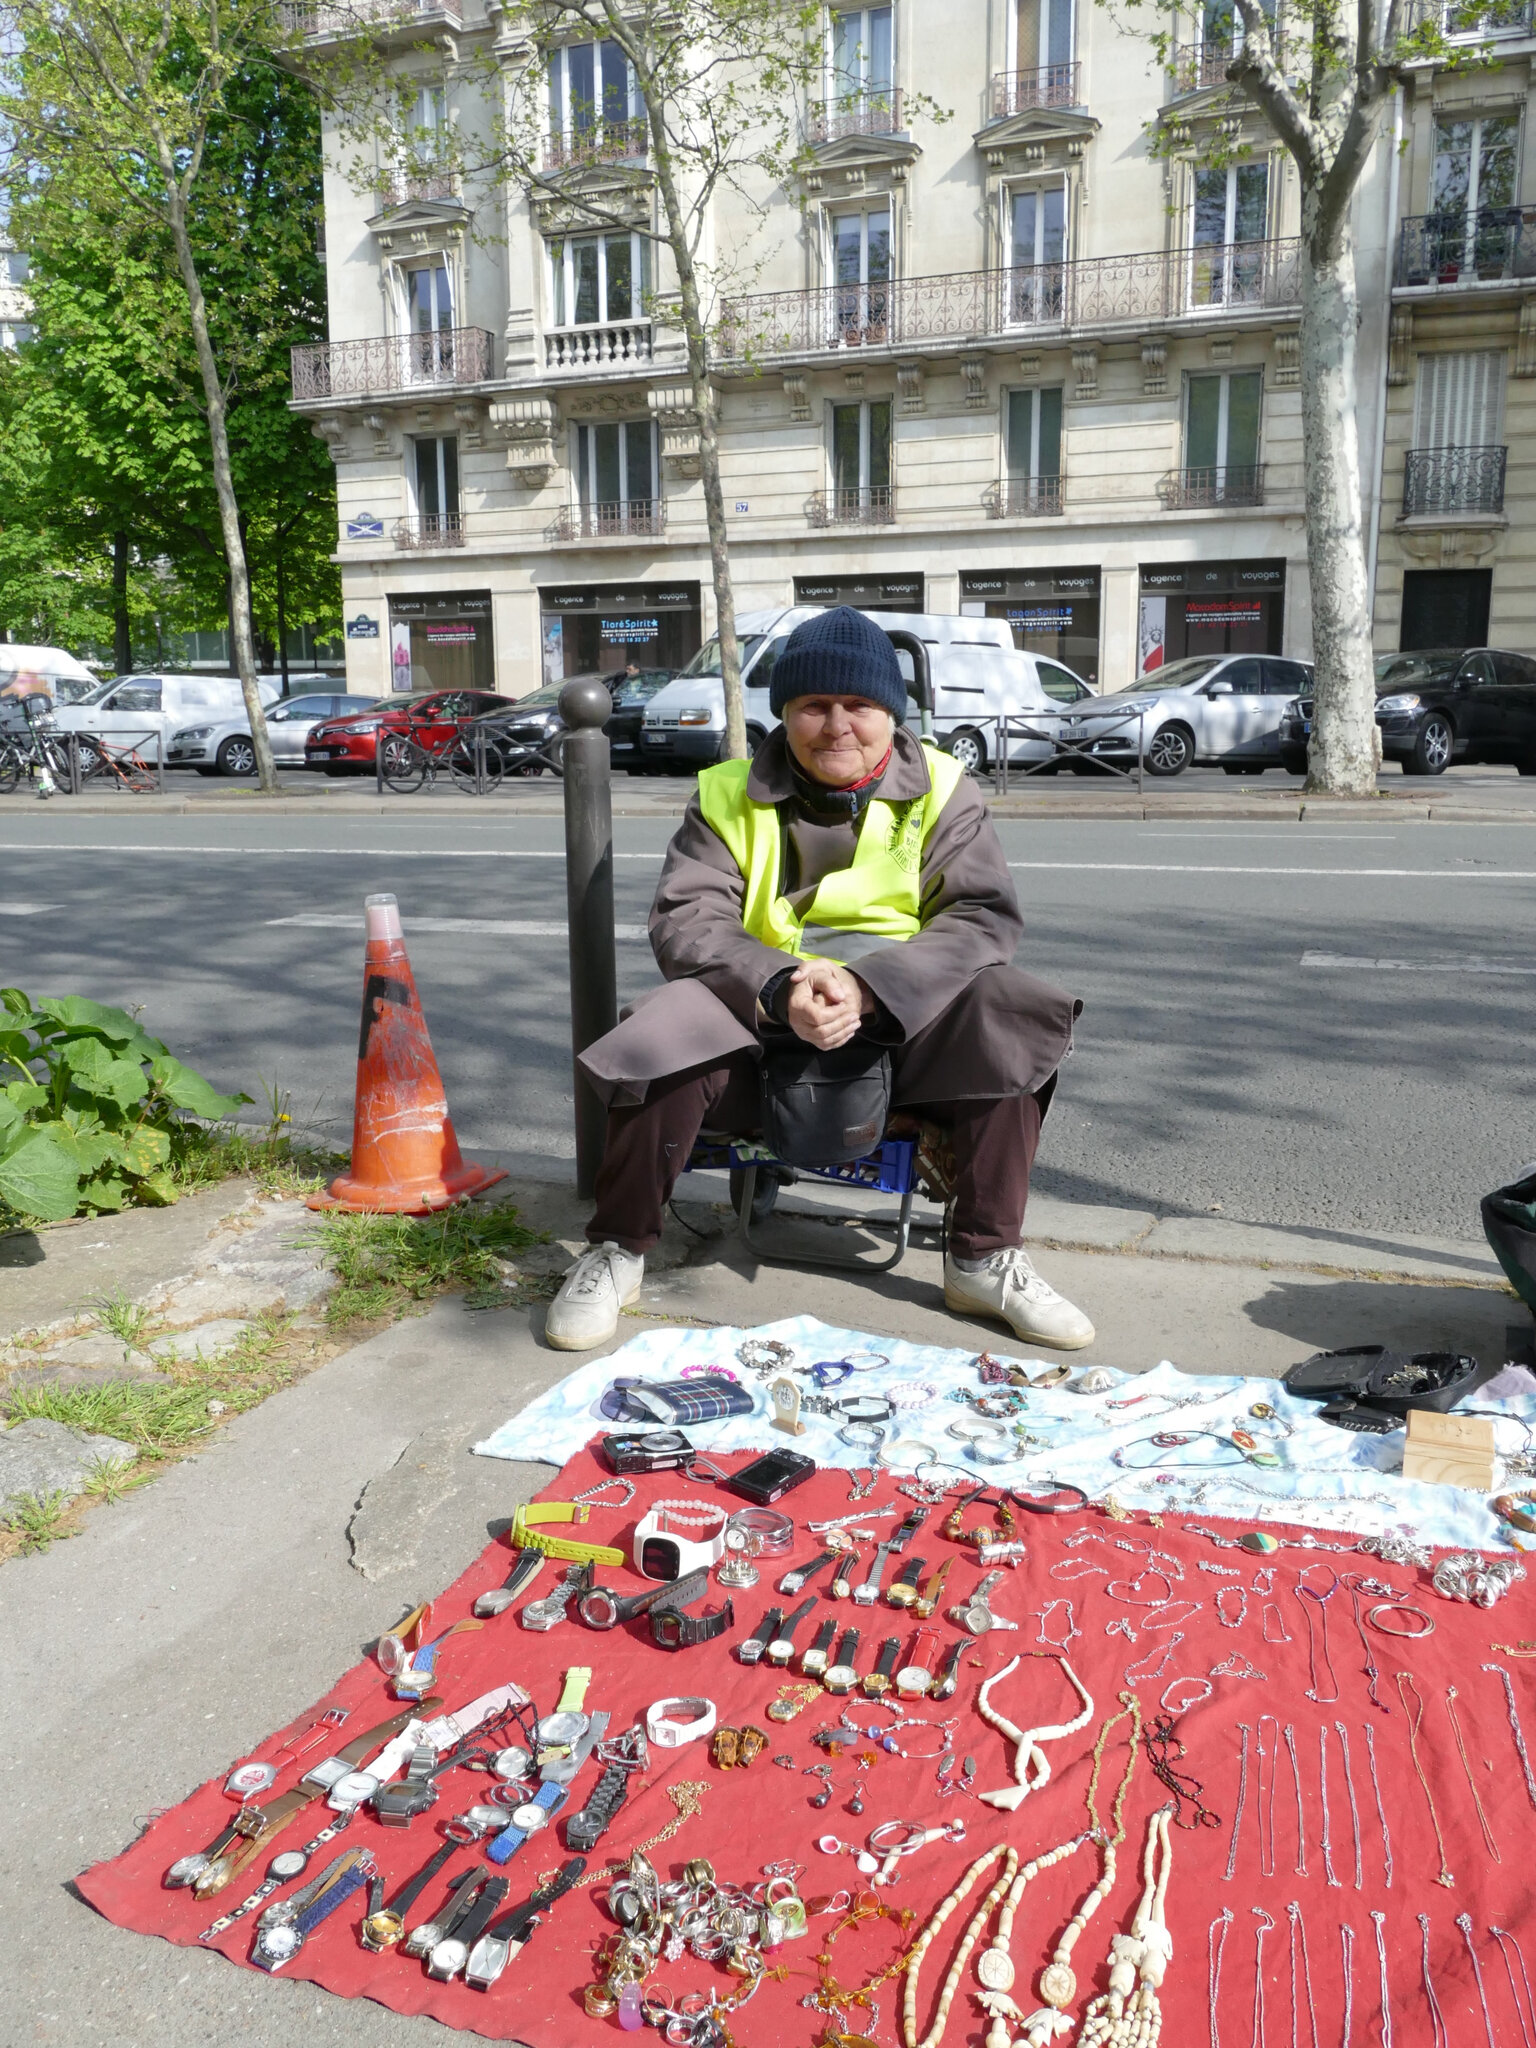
(1128, 2014)
(1027, 1741)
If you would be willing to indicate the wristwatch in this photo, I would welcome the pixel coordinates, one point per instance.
(868, 1593)
(909, 1529)
(976, 1614)
(525, 1535)
(512, 1932)
(567, 1723)
(547, 1613)
(526, 1820)
(902, 1591)
(278, 1942)
(672, 1628)
(914, 1678)
(584, 1830)
(947, 1677)
(840, 1675)
(842, 1578)
(878, 1681)
(396, 1806)
(671, 1723)
(802, 1574)
(383, 1928)
(782, 1648)
(283, 1869)
(932, 1592)
(661, 1553)
(524, 1571)
(752, 1649)
(600, 1607)
(450, 1955)
(814, 1662)
(426, 1934)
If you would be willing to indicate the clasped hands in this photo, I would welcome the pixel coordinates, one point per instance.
(826, 1004)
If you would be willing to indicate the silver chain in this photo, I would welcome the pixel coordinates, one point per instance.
(1464, 1922)
(1237, 1818)
(1378, 1918)
(1515, 1729)
(1299, 1928)
(1214, 1951)
(1322, 1788)
(1381, 1811)
(1354, 1811)
(1301, 1821)
(1436, 2018)
(1347, 1963)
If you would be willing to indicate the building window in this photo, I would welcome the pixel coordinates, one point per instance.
(1042, 34)
(861, 271)
(1457, 461)
(861, 462)
(437, 485)
(1474, 169)
(1228, 227)
(1036, 230)
(428, 298)
(616, 464)
(15, 266)
(595, 109)
(859, 56)
(1221, 439)
(1033, 482)
(597, 279)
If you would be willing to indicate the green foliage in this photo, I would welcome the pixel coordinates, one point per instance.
(36, 1519)
(385, 1264)
(126, 1320)
(93, 1111)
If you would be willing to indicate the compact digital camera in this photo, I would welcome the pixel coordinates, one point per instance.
(656, 1450)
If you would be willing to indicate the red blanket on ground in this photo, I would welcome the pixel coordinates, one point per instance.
(764, 1814)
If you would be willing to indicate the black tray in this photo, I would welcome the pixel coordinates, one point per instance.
(1366, 1373)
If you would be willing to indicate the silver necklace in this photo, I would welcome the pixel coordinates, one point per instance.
(1267, 1806)
(1502, 1935)
(1354, 1811)
(1073, 1631)
(1347, 1963)
(1273, 1615)
(1464, 1922)
(1378, 1919)
(1442, 2039)
(1214, 1951)
(1381, 1811)
(1299, 1928)
(1301, 1824)
(1237, 1824)
(1135, 1677)
(1305, 1593)
(1322, 1776)
(1515, 1730)
(1265, 1924)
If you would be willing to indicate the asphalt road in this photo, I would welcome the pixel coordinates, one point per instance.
(1293, 1024)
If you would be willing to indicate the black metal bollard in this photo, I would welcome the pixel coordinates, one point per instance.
(585, 707)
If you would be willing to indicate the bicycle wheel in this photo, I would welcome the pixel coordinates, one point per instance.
(138, 777)
(405, 766)
(461, 765)
(94, 758)
(56, 756)
(11, 764)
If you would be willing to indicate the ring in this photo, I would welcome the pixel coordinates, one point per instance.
(906, 1453)
(1410, 1635)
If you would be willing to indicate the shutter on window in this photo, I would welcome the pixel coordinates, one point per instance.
(1460, 400)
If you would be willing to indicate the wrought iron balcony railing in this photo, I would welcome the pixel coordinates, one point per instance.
(417, 184)
(1194, 490)
(1437, 481)
(855, 113)
(1049, 85)
(610, 142)
(1470, 20)
(1197, 66)
(1489, 245)
(300, 19)
(1023, 497)
(611, 346)
(871, 505)
(391, 362)
(1103, 293)
(623, 519)
(430, 530)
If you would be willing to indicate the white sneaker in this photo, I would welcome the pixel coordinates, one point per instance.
(1007, 1286)
(585, 1313)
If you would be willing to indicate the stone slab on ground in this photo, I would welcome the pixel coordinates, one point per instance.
(259, 1260)
(101, 1351)
(386, 1531)
(41, 1457)
(205, 1340)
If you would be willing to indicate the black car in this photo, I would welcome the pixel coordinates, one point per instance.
(534, 720)
(631, 694)
(1438, 705)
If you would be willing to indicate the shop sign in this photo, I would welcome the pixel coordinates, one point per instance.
(628, 632)
(452, 633)
(366, 526)
(676, 597)
(362, 628)
(1042, 619)
(854, 590)
(1213, 576)
(1020, 583)
(1228, 611)
(452, 604)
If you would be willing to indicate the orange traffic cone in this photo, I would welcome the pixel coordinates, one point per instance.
(405, 1157)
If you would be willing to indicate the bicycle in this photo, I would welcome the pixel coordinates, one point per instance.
(409, 765)
(30, 745)
(127, 768)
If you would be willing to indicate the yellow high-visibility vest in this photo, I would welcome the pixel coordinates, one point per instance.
(877, 896)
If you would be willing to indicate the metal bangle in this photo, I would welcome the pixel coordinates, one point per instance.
(775, 1532)
(1410, 1635)
(915, 1836)
(864, 1436)
(1051, 1506)
(906, 1454)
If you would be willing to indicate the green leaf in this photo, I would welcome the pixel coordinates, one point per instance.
(106, 1192)
(80, 1014)
(25, 1094)
(15, 1002)
(98, 1072)
(40, 1179)
(11, 1119)
(144, 1149)
(158, 1188)
(90, 1150)
(188, 1090)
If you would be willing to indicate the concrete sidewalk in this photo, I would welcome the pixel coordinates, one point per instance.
(202, 1612)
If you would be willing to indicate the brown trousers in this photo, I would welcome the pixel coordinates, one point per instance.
(994, 1137)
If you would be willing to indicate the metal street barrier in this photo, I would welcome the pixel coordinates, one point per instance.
(1071, 735)
(118, 759)
(586, 708)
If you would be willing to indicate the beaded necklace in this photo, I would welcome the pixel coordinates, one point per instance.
(1128, 2014)
(831, 1998)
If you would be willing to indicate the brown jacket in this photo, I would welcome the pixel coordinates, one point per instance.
(971, 926)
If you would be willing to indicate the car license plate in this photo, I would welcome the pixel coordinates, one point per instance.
(1073, 729)
(1306, 727)
(655, 739)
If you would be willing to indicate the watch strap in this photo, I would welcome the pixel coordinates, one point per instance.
(908, 1529)
(525, 1535)
(478, 1918)
(585, 1829)
(672, 1628)
(752, 1649)
(506, 1845)
(848, 1648)
(464, 1904)
(801, 1574)
(577, 1679)
(792, 1621)
(885, 1663)
(910, 1573)
(336, 1895)
(413, 1887)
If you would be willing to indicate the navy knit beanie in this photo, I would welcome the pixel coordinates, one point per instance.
(839, 653)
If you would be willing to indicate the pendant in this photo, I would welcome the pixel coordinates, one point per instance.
(1058, 1985)
(1258, 1540)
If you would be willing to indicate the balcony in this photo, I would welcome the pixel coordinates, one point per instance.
(855, 113)
(624, 519)
(1482, 21)
(1453, 482)
(1103, 294)
(307, 20)
(419, 184)
(1204, 490)
(871, 505)
(387, 363)
(611, 142)
(1051, 85)
(1023, 497)
(1492, 246)
(619, 345)
(430, 530)
(1198, 66)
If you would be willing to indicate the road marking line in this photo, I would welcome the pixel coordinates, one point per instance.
(1414, 966)
(513, 928)
(1132, 867)
(342, 852)
(24, 909)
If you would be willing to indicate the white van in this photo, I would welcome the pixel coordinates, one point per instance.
(976, 672)
(134, 707)
(64, 679)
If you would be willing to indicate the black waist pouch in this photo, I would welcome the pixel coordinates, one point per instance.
(824, 1108)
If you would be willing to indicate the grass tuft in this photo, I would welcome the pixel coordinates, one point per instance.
(385, 1265)
(36, 1518)
(124, 1319)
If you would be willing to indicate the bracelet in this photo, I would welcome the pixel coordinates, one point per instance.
(775, 1533)
(906, 1454)
(1051, 1505)
(764, 1354)
(689, 1512)
(665, 1725)
(1410, 1635)
(999, 1403)
(1515, 1508)
(982, 1430)
(863, 1436)
(1199, 1699)
(911, 1394)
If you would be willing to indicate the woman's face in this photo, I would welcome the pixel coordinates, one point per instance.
(838, 740)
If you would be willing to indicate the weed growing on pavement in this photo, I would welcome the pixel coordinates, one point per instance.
(110, 1480)
(126, 1320)
(35, 1519)
(278, 1162)
(386, 1264)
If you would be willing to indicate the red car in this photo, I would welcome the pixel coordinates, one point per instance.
(346, 746)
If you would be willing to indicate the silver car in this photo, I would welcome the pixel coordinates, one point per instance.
(225, 748)
(1223, 709)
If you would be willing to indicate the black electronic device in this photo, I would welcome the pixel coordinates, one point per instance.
(656, 1450)
(773, 1475)
(1363, 1421)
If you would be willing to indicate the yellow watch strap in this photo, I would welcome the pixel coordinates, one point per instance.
(522, 1537)
(577, 1679)
(555, 1511)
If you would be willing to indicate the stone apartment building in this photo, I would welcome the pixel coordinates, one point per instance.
(1035, 362)
(15, 306)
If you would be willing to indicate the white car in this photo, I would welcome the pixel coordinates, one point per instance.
(133, 709)
(1223, 709)
(223, 746)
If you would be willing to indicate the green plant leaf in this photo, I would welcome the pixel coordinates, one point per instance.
(99, 1072)
(144, 1149)
(26, 1094)
(90, 1150)
(40, 1179)
(159, 1189)
(80, 1014)
(188, 1090)
(16, 1045)
(11, 1119)
(17, 1004)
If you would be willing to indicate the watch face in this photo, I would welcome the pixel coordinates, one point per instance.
(288, 1865)
(391, 1655)
(530, 1818)
(513, 1763)
(447, 1959)
(352, 1790)
(840, 1678)
(279, 1943)
(912, 1678)
(814, 1661)
(557, 1729)
(246, 1780)
(661, 1558)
